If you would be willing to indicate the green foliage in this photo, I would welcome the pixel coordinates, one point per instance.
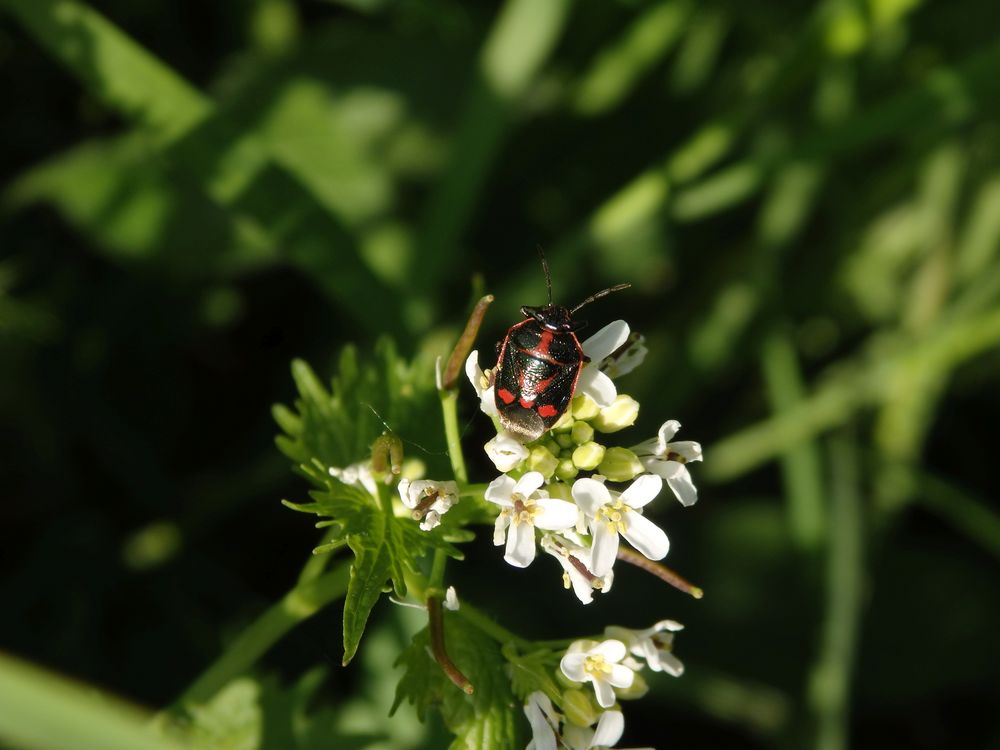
(491, 717)
(335, 428)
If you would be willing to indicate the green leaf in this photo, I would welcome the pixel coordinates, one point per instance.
(488, 719)
(534, 671)
(335, 426)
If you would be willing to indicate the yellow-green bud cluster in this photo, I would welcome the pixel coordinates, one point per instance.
(571, 446)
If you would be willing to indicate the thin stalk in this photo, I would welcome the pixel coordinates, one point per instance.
(660, 571)
(830, 683)
(299, 604)
(436, 623)
(449, 410)
(489, 626)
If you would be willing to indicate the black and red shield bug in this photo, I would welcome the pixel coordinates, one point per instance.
(539, 364)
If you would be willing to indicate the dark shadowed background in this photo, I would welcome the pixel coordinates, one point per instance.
(804, 196)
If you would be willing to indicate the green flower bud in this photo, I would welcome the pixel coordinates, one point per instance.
(565, 422)
(621, 414)
(582, 433)
(620, 465)
(588, 456)
(584, 407)
(638, 688)
(560, 491)
(553, 447)
(540, 459)
(579, 707)
(566, 470)
(564, 441)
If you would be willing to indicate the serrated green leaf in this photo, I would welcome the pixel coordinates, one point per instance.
(374, 564)
(490, 718)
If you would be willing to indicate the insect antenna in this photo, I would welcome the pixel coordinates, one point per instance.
(548, 276)
(598, 295)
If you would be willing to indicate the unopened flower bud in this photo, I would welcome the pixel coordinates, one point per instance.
(541, 460)
(582, 433)
(620, 465)
(588, 456)
(584, 407)
(564, 424)
(579, 707)
(564, 441)
(567, 470)
(621, 414)
(636, 690)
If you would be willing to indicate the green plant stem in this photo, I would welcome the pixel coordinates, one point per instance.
(299, 604)
(830, 684)
(39, 709)
(489, 626)
(449, 410)
(316, 564)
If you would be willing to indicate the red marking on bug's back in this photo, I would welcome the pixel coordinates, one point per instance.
(506, 396)
(526, 403)
(548, 410)
(544, 342)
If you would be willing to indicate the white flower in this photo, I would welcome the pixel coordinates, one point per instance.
(598, 662)
(598, 347)
(609, 730)
(525, 506)
(654, 644)
(544, 721)
(608, 516)
(505, 452)
(429, 500)
(359, 475)
(451, 599)
(575, 561)
(625, 359)
(481, 382)
(659, 456)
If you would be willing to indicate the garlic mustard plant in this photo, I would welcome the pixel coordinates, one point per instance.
(577, 492)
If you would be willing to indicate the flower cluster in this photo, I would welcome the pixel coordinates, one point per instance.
(612, 667)
(569, 491)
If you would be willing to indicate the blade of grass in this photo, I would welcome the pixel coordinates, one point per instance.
(832, 674)
(41, 710)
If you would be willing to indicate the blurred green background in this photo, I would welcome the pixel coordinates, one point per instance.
(805, 197)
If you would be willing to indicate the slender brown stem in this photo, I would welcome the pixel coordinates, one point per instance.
(660, 571)
(464, 344)
(437, 646)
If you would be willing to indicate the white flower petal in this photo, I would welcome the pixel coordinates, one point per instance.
(520, 545)
(606, 341)
(689, 450)
(473, 371)
(667, 430)
(530, 482)
(500, 490)
(500, 529)
(621, 676)
(605, 549)
(571, 665)
(598, 386)
(642, 490)
(590, 495)
(667, 662)
(543, 735)
(556, 515)
(646, 536)
(610, 728)
(431, 520)
(505, 452)
(612, 649)
(605, 694)
(682, 485)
